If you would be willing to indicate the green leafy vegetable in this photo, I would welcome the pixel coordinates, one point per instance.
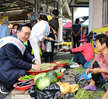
(26, 77)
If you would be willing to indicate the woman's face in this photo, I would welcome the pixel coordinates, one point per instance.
(99, 47)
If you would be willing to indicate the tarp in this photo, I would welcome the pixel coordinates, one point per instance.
(85, 23)
(67, 25)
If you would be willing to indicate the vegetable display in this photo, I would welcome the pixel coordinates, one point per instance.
(58, 73)
(83, 94)
(27, 77)
(63, 61)
(45, 79)
(52, 75)
(45, 66)
(39, 75)
(42, 82)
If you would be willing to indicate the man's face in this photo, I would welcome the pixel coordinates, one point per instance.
(24, 34)
(53, 16)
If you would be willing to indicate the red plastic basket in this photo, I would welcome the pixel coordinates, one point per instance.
(55, 65)
(37, 72)
(22, 80)
(23, 87)
(60, 64)
(60, 76)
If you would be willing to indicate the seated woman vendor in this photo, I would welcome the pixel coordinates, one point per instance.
(99, 68)
(83, 53)
(14, 59)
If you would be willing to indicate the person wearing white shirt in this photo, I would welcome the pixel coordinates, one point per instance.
(39, 32)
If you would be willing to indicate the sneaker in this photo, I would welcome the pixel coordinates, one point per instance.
(74, 65)
(92, 88)
(4, 90)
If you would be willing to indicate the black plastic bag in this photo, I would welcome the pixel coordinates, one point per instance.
(50, 92)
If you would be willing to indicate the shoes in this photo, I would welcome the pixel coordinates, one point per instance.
(74, 65)
(5, 89)
(92, 88)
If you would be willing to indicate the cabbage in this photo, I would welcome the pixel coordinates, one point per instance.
(39, 75)
(42, 82)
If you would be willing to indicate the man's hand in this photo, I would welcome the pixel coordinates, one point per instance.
(36, 62)
(36, 67)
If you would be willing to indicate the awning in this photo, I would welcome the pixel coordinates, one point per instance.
(68, 25)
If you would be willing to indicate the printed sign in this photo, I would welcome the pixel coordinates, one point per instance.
(98, 31)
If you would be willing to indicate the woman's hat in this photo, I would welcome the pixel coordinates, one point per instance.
(83, 40)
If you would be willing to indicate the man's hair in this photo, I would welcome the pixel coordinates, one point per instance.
(15, 25)
(43, 17)
(77, 20)
(23, 25)
(55, 12)
(103, 38)
(89, 37)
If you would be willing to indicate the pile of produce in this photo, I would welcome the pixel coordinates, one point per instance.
(45, 66)
(63, 61)
(67, 88)
(83, 94)
(43, 80)
(27, 77)
(58, 73)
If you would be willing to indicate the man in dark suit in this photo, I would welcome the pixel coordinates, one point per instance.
(14, 59)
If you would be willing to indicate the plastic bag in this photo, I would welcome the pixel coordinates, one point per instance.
(48, 47)
(86, 76)
(88, 64)
(50, 92)
(71, 62)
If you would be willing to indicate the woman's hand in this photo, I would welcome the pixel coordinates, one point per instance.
(88, 70)
(95, 70)
(50, 39)
(43, 47)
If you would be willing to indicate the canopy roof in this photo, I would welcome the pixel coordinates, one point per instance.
(68, 25)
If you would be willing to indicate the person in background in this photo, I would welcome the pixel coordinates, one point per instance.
(39, 32)
(99, 67)
(49, 48)
(14, 59)
(53, 22)
(14, 30)
(4, 29)
(83, 53)
(76, 33)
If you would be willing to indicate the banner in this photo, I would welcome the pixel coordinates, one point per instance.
(98, 31)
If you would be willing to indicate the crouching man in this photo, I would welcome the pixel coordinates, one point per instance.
(14, 59)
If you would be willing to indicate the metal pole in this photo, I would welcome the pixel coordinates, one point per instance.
(36, 8)
(46, 5)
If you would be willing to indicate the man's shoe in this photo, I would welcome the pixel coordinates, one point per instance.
(4, 90)
(92, 88)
